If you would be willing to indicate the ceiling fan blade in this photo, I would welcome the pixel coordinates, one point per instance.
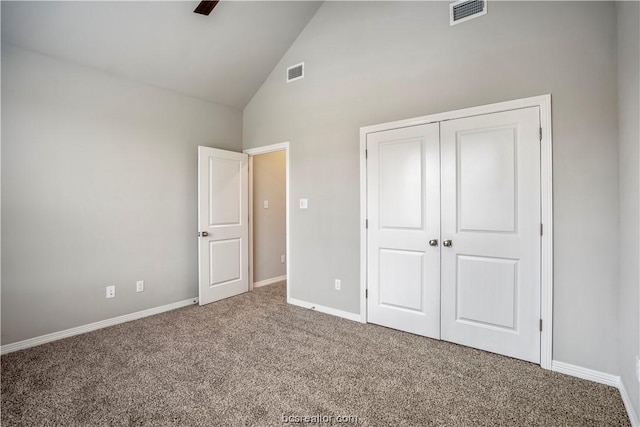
(205, 7)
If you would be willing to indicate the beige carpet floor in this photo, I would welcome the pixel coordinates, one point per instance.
(252, 360)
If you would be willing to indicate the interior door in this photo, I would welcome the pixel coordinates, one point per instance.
(491, 232)
(403, 180)
(223, 196)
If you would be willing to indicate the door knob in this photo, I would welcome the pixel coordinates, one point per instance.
(447, 243)
(203, 234)
(433, 242)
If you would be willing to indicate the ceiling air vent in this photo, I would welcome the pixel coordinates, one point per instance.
(295, 72)
(464, 10)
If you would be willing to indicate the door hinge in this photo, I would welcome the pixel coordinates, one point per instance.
(540, 325)
(541, 229)
(366, 154)
(366, 293)
(366, 223)
(540, 134)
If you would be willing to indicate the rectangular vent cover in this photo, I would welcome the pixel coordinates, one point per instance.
(295, 72)
(464, 10)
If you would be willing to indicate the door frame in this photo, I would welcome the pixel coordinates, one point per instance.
(282, 146)
(546, 202)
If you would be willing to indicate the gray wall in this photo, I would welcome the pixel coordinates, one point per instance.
(629, 113)
(368, 63)
(269, 225)
(98, 188)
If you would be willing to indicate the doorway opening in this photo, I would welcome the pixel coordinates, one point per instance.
(269, 255)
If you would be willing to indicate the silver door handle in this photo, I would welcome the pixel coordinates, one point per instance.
(203, 234)
(447, 243)
(433, 242)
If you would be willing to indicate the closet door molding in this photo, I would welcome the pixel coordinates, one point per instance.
(546, 207)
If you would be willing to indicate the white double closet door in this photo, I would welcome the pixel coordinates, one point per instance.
(453, 243)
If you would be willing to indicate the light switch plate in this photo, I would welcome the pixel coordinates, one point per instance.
(266, 204)
(303, 204)
(111, 291)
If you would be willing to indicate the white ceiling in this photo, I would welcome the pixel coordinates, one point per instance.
(223, 57)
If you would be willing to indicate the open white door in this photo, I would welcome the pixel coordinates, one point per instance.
(223, 196)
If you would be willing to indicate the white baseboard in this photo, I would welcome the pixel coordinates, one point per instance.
(585, 373)
(269, 281)
(323, 309)
(633, 417)
(602, 378)
(55, 336)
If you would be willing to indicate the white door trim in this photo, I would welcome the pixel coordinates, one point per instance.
(254, 152)
(546, 205)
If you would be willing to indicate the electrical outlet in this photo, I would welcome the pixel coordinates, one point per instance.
(111, 291)
(281, 259)
(304, 204)
(266, 204)
(140, 286)
(338, 285)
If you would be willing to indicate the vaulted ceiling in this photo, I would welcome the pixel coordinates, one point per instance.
(223, 57)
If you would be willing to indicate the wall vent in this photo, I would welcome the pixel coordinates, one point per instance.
(295, 72)
(464, 10)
